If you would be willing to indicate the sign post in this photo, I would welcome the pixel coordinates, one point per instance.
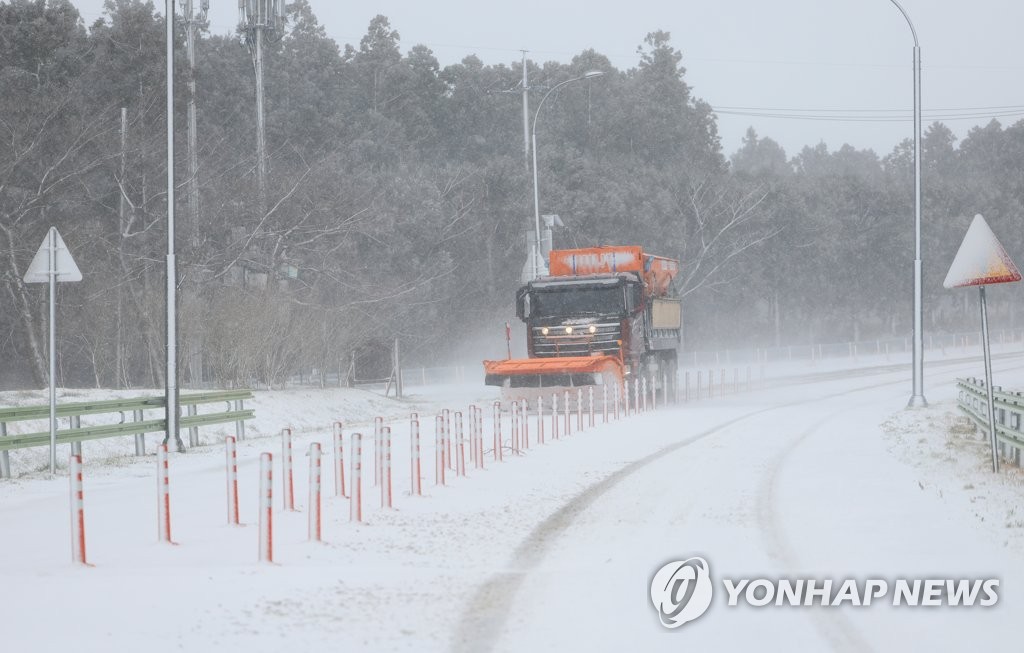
(53, 263)
(981, 260)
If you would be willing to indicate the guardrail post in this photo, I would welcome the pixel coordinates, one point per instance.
(193, 431)
(140, 438)
(5, 460)
(76, 447)
(240, 424)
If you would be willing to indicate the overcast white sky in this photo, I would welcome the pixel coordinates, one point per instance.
(815, 59)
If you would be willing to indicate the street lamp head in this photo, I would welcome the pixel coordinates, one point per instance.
(590, 74)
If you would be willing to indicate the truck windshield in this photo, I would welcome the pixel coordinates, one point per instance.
(576, 301)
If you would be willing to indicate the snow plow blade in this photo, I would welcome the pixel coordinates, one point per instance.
(569, 371)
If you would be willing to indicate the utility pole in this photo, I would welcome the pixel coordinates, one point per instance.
(171, 377)
(260, 21)
(526, 116)
(191, 22)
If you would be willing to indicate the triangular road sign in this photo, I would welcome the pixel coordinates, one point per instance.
(981, 259)
(39, 269)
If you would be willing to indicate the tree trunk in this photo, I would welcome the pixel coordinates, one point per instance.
(23, 309)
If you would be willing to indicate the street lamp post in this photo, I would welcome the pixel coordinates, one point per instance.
(917, 398)
(537, 263)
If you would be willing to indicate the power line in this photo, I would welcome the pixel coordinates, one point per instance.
(880, 115)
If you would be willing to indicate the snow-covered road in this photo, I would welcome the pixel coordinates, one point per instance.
(553, 550)
(804, 490)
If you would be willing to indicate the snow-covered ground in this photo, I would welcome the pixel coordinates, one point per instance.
(824, 476)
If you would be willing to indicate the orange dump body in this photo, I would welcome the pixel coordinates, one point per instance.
(656, 271)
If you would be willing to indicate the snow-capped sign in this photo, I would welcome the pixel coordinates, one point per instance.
(981, 259)
(39, 269)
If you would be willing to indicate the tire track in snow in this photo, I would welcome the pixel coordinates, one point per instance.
(484, 616)
(483, 619)
(834, 626)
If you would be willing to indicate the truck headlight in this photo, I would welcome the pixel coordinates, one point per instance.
(568, 330)
(592, 329)
(544, 331)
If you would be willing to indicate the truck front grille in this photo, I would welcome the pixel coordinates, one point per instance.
(580, 343)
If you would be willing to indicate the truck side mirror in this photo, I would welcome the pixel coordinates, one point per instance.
(522, 304)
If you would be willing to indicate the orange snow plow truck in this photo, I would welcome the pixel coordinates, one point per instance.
(602, 315)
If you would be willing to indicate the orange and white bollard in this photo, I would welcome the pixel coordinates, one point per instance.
(540, 419)
(565, 415)
(231, 462)
(266, 516)
(524, 424)
(314, 491)
(590, 406)
(478, 421)
(447, 414)
(460, 446)
(378, 427)
(77, 510)
(554, 415)
(496, 408)
(287, 480)
(604, 404)
(579, 409)
(163, 494)
(355, 500)
(439, 450)
(415, 484)
(339, 460)
(514, 421)
(385, 485)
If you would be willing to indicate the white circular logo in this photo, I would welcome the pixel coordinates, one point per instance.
(681, 591)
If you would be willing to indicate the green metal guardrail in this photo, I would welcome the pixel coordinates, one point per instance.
(76, 433)
(1009, 411)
